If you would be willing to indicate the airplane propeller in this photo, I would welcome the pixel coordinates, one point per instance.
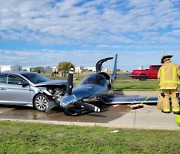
(70, 82)
(70, 100)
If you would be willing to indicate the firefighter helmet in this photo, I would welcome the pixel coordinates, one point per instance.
(165, 57)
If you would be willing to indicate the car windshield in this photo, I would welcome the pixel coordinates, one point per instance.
(94, 79)
(36, 78)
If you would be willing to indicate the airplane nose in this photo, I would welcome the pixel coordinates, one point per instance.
(67, 101)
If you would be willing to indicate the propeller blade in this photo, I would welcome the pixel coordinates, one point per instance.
(70, 82)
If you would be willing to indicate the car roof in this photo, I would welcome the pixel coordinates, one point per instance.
(17, 72)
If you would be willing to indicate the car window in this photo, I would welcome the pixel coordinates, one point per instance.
(14, 79)
(3, 78)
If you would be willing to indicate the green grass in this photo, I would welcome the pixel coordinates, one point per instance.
(135, 85)
(18, 137)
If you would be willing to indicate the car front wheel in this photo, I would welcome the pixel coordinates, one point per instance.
(41, 102)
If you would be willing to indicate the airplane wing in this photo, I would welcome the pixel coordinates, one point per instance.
(124, 99)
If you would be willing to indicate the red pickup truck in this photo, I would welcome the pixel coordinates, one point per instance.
(150, 73)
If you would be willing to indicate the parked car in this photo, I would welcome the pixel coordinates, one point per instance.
(29, 89)
(150, 73)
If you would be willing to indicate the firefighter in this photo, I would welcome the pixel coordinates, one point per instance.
(168, 75)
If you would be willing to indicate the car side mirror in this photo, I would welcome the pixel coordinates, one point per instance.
(23, 83)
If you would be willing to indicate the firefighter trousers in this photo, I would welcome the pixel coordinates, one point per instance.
(173, 93)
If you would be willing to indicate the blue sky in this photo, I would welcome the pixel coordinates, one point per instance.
(46, 32)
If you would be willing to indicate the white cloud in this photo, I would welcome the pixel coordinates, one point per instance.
(135, 29)
(73, 21)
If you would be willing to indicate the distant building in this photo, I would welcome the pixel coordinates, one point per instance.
(79, 69)
(92, 69)
(106, 70)
(48, 69)
(27, 69)
(140, 68)
(38, 69)
(7, 68)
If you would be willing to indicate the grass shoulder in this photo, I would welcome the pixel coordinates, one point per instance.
(18, 137)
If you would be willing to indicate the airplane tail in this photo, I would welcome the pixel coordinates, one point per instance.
(113, 75)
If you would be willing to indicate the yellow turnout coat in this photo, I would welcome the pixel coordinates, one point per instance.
(169, 74)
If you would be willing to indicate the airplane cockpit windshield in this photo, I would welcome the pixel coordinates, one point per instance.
(94, 79)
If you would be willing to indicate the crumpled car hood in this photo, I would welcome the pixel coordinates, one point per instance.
(52, 82)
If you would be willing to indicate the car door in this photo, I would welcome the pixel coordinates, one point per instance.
(14, 93)
(3, 83)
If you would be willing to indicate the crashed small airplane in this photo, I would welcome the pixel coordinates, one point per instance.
(93, 87)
